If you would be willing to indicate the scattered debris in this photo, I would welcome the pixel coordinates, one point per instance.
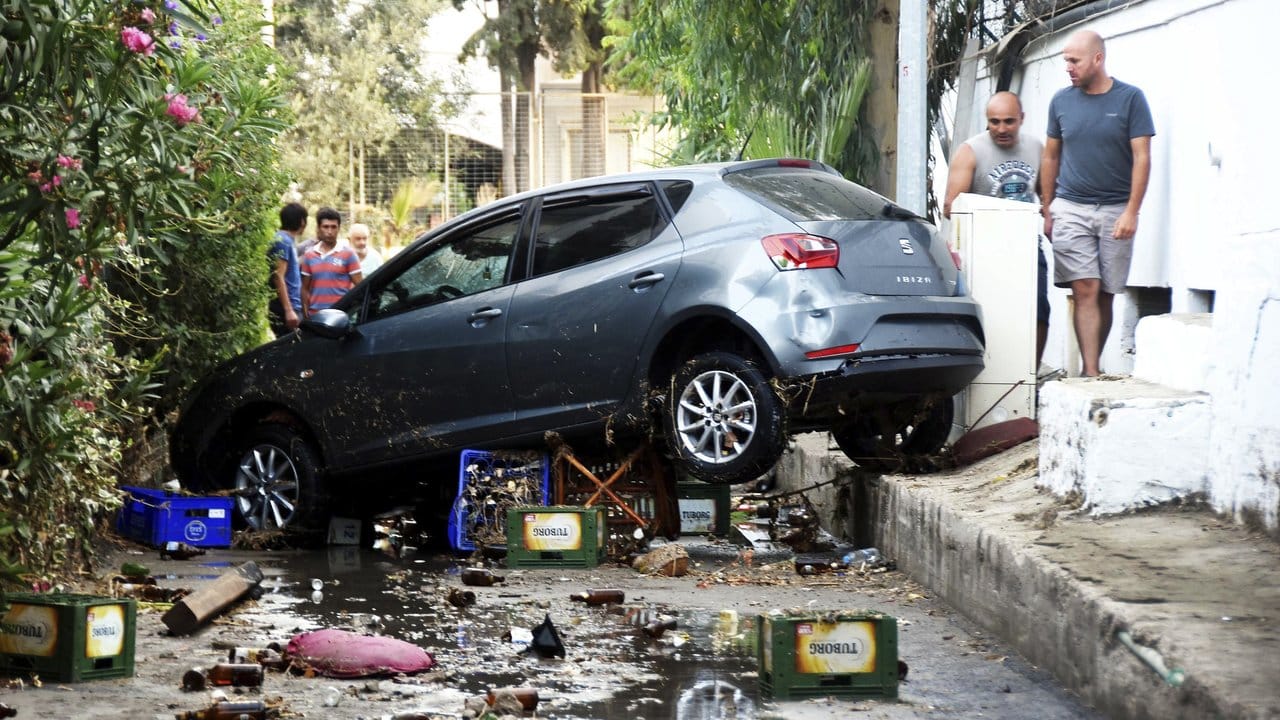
(546, 640)
(460, 598)
(193, 611)
(669, 560)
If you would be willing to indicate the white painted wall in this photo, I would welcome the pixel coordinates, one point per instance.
(1211, 220)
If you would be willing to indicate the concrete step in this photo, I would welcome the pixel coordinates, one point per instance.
(1123, 443)
(1175, 350)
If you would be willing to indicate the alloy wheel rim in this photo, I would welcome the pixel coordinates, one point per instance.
(267, 487)
(716, 417)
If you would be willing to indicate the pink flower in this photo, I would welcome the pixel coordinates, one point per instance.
(85, 405)
(179, 110)
(54, 182)
(68, 162)
(137, 41)
(148, 15)
(73, 218)
(85, 282)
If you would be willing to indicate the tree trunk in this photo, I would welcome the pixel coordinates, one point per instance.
(882, 97)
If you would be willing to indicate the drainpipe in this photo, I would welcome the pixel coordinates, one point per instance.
(1016, 43)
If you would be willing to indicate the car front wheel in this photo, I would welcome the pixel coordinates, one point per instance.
(723, 421)
(277, 480)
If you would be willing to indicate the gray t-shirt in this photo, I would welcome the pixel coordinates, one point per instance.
(1005, 173)
(1097, 161)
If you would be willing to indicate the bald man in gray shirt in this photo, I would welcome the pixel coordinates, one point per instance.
(1097, 161)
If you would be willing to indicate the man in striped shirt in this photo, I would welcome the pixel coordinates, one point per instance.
(328, 271)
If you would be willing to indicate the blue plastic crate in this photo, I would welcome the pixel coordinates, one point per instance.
(489, 473)
(156, 517)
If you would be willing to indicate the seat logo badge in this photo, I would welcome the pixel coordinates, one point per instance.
(906, 246)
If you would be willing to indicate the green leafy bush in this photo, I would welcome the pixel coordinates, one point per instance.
(137, 178)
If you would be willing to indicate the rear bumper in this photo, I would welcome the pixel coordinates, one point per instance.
(878, 381)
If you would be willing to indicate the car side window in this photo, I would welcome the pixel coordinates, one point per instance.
(463, 265)
(577, 230)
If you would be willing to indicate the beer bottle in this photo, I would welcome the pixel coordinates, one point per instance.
(133, 570)
(599, 596)
(235, 674)
(481, 577)
(179, 551)
(193, 680)
(266, 657)
(251, 710)
(527, 696)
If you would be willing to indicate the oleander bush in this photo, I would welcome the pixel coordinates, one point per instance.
(138, 185)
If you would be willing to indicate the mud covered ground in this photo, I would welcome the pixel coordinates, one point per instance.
(705, 669)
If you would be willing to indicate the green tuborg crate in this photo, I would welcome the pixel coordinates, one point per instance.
(558, 536)
(704, 507)
(67, 638)
(837, 654)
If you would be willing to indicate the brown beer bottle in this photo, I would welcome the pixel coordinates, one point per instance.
(179, 551)
(235, 674)
(251, 710)
(527, 696)
(481, 577)
(599, 596)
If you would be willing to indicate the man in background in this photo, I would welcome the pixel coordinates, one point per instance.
(1097, 161)
(358, 236)
(285, 308)
(1003, 162)
(328, 270)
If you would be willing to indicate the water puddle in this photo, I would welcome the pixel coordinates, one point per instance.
(703, 669)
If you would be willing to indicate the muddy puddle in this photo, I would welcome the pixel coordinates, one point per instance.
(705, 668)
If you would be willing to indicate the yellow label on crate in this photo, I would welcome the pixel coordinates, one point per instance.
(29, 630)
(104, 631)
(839, 647)
(552, 531)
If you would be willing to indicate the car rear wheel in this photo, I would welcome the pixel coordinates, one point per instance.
(723, 421)
(277, 480)
(894, 440)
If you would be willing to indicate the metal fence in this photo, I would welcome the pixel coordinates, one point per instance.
(505, 143)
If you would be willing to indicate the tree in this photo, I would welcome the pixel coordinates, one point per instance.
(358, 69)
(781, 73)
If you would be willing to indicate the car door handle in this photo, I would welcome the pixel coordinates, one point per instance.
(645, 280)
(485, 314)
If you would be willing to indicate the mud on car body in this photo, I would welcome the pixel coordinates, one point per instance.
(720, 307)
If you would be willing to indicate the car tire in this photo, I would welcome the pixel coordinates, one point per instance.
(922, 434)
(703, 439)
(276, 480)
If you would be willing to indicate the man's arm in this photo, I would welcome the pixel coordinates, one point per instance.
(282, 293)
(1049, 179)
(960, 176)
(1127, 223)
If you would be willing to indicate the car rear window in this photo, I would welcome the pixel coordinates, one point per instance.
(803, 195)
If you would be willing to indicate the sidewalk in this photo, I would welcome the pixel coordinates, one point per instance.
(1189, 590)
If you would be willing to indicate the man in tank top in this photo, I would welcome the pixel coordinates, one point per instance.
(1003, 162)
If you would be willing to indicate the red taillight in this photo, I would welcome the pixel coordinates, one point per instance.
(793, 162)
(798, 251)
(832, 352)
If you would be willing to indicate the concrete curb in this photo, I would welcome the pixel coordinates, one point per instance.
(973, 551)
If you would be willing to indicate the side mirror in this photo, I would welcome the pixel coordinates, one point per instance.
(328, 323)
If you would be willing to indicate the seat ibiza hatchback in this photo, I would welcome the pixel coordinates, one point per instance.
(719, 308)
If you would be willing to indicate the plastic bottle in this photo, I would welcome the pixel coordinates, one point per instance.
(179, 551)
(527, 696)
(481, 577)
(235, 674)
(659, 626)
(599, 596)
(870, 556)
(252, 710)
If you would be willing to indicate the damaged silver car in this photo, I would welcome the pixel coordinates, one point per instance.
(719, 308)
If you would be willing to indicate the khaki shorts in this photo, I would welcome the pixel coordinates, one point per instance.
(1083, 247)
